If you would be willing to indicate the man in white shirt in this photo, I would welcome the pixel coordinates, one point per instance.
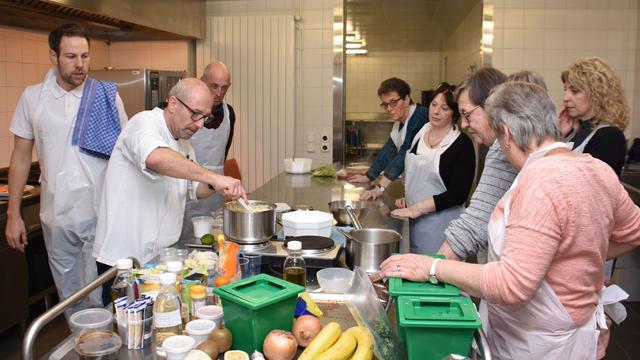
(211, 144)
(151, 173)
(71, 178)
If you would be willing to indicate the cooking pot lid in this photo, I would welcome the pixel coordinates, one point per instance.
(311, 244)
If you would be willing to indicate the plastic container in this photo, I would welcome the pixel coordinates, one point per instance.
(200, 329)
(91, 319)
(255, 306)
(201, 225)
(211, 312)
(147, 331)
(98, 344)
(297, 165)
(334, 280)
(436, 327)
(301, 222)
(402, 287)
(177, 347)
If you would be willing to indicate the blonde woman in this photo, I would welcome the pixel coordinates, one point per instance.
(595, 111)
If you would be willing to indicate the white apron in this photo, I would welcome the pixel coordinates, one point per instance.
(209, 146)
(423, 181)
(398, 135)
(540, 328)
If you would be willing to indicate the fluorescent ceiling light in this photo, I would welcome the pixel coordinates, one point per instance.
(353, 45)
(356, 51)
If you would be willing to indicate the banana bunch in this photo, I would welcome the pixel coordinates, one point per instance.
(331, 343)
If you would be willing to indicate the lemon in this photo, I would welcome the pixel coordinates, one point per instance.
(206, 239)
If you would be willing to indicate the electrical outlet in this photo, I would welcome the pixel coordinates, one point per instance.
(324, 147)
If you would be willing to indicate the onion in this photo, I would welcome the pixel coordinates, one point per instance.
(305, 328)
(279, 345)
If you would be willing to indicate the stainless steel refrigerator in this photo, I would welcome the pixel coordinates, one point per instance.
(140, 89)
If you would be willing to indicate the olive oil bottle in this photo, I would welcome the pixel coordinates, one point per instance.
(294, 269)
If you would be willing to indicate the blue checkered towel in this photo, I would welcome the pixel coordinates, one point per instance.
(98, 123)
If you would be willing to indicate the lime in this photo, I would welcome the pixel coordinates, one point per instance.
(206, 239)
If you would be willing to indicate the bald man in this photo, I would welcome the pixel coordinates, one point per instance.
(151, 174)
(211, 144)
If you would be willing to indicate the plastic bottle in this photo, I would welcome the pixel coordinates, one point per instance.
(166, 311)
(123, 285)
(294, 268)
(198, 295)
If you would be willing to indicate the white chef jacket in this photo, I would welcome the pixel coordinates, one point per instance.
(46, 114)
(141, 211)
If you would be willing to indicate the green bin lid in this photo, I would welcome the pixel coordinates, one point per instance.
(399, 287)
(438, 312)
(258, 291)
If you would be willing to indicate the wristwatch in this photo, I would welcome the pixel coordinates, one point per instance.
(432, 272)
(380, 187)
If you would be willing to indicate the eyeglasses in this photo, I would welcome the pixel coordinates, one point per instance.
(445, 86)
(467, 114)
(195, 116)
(392, 103)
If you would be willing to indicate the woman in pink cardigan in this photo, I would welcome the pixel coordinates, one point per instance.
(564, 215)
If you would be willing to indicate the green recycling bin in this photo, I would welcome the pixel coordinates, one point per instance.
(254, 306)
(436, 327)
(402, 287)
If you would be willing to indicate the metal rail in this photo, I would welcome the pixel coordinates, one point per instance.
(39, 323)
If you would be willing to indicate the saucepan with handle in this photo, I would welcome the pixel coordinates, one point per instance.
(368, 248)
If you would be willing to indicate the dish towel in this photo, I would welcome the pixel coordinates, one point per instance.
(98, 123)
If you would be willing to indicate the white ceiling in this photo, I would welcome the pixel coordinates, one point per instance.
(406, 25)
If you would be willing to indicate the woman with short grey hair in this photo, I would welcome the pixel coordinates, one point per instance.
(546, 251)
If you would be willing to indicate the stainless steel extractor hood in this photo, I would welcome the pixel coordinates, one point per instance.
(117, 20)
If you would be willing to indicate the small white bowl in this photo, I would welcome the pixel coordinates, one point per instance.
(200, 329)
(334, 280)
(211, 312)
(178, 346)
(297, 165)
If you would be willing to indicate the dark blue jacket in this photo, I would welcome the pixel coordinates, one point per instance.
(389, 158)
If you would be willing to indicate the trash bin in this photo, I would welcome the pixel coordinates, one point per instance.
(254, 306)
(436, 327)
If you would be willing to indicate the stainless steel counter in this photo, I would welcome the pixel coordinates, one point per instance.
(295, 190)
(306, 190)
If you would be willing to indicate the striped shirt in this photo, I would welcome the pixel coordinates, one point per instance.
(467, 234)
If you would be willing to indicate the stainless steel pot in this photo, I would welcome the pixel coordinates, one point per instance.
(368, 248)
(337, 208)
(249, 227)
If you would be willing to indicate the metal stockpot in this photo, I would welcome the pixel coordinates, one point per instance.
(368, 248)
(249, 228)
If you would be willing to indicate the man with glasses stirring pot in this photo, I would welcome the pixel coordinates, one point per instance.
(147, 181)
(408, 118)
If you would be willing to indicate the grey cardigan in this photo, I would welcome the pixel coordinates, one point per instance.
(467, 234)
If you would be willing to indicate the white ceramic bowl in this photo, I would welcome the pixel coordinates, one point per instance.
(297, 165)
(334, 280)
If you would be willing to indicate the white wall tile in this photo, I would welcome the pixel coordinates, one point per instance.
(534, 38)
(576, 19)
(534, 18)
(312, 19)
(514, 18)
(312, 38)
(597, 19)
(555, 18)
(513, 38)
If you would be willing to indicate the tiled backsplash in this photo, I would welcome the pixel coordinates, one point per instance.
(24, 60)
(547, 36)
(364, 74)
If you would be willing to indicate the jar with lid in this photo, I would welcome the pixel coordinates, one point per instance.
(294, 269)
(197, 299)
